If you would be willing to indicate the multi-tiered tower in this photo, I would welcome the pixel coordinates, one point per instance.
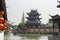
(33, 19)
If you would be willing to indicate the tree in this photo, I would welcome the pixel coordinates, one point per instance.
(21, 26)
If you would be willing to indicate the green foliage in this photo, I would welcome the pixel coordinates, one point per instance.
(21, 25)
(55, 25)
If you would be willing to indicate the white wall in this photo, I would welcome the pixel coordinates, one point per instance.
(2, 35)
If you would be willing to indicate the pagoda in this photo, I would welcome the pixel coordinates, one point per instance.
(33, 20)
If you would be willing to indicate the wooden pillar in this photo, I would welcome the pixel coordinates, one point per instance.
(59, 26)
(29, 29)
(34, 29)
(53, 27)
(39, 29)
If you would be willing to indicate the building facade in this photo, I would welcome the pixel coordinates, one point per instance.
(56, 23)
(33, 20)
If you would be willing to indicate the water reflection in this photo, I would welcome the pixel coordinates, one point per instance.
(29, 37)
(26, 37)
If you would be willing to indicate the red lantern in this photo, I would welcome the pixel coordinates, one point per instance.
(4, 27)
(1, 26)
(1, 13)
(5, 24)
(4, 21)
(1, 19)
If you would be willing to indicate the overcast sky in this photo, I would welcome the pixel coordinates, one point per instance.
(15, 9)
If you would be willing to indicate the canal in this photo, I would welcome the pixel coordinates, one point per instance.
(26, 37)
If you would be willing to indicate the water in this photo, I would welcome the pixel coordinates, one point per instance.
(26, 37)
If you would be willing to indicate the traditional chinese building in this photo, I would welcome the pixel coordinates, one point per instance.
(3, 8)
(56, 23)
(33, 20)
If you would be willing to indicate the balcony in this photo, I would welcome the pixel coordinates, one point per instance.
(33, 22)
(33, 18)
(33, 14)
